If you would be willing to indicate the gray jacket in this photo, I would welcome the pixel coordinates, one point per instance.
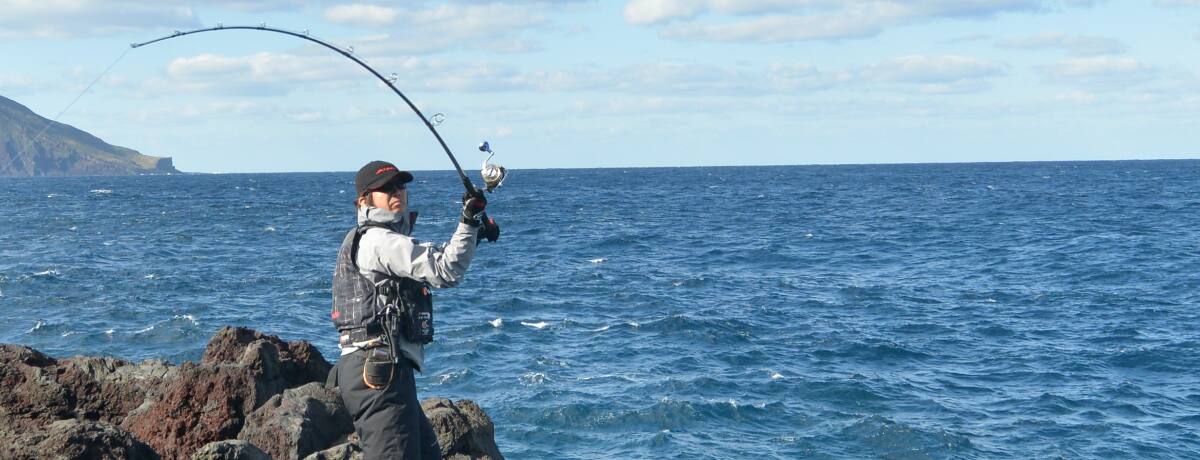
(383, 253)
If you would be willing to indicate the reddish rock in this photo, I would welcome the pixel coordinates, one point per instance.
(32, 396)
(42, 389)
(299, 362)
(204, 404)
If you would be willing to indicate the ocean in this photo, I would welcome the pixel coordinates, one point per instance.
(1011, 310)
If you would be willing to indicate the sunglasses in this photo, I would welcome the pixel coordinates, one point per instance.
(392, 189)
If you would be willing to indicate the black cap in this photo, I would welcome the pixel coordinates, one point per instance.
(376, 174)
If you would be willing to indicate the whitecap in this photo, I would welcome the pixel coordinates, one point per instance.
(101, 191)
(602, 328)
(533, 378)
(774, 375)
(36, 325)
(537, 325)
(68, 333)
(50, 272)
(109, 332)
(269, 229)
(189, 318)
(808, 235)
(989, 300)
(633, 324)
(496, 322)
(73, 228)
(52, 195)
(148, 329)
(152, 276)
(598, 260)
(450, 376)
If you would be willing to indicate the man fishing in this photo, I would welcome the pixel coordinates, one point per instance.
(382, 309)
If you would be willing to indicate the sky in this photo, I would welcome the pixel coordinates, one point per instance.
(617, 83)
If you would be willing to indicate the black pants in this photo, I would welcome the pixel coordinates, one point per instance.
(389, 422)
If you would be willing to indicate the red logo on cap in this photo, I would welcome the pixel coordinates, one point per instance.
(384, 169)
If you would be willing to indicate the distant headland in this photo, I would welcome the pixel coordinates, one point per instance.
(63, 150)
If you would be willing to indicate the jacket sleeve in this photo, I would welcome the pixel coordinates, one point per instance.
(400, 255)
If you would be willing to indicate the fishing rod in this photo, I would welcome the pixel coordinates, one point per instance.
(491, 180)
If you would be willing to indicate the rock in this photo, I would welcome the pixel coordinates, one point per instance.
(249, 385)
(76, 439)
(32, 396)
(230, 450)
(463, 429)
(208, 402)
(299, 362)
(43, 389)
(344, 451)
(204, 404)
(298, 422)
(100, 389)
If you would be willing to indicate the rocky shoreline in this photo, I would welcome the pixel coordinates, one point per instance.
(252, 396)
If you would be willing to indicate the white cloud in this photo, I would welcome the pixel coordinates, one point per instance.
(934, 74)
(1076, 97)
(87, 18)
(1107, 72)
(270, 74)
(417, 29)
(361, 14)
(641, 12)
(1077, 45)
(788, 21)
(19, 84)
(1176, 3)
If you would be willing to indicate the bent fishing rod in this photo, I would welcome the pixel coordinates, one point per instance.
(491, 177)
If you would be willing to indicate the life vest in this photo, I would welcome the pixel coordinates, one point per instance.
(364, 310)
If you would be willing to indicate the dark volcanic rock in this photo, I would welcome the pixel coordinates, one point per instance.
(463, 429)
(76, 439)
(298, 422)
(230, 450)
(249, 385)
(343, 451)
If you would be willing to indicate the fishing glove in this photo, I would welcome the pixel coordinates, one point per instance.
(473, 205)
(488, 230)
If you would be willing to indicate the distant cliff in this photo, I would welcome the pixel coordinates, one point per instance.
(63, 150)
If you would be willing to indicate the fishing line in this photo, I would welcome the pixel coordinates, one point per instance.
(348, 52)
(54, 120)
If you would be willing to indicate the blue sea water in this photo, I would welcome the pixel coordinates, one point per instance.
(1023, 310)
